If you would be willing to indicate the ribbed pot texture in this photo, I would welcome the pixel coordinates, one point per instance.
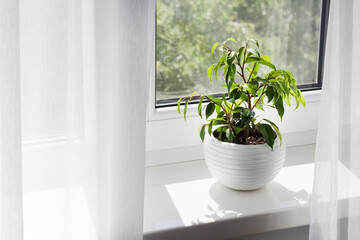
(243, 167)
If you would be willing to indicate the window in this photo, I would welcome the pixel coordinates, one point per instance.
(291, 32)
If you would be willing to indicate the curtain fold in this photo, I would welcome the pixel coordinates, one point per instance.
(11, 222)
(335, 206)
(125, 36)
(74, 79)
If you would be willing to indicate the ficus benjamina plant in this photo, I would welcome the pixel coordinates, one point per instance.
(251, 81)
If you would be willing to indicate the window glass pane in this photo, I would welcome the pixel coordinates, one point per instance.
(288, 31)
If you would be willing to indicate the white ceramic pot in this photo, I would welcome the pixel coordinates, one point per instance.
(243, 167)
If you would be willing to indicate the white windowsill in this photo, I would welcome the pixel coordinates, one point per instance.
(183, 201)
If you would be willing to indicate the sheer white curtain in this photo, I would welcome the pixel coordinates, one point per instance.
(10, 147)
(74, 75)
(335, 208)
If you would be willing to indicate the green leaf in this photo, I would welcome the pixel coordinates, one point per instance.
(225, 70)
(260, 105)
(254, 51)
(248, 113)
(250, 88)
(238, 109)
(202, 132)
(210, 71)
(301, 98)
(260, 80)
(268, 134)
(240, 52)
(284, 86)
(263, 62)
(244, 97)
(229, 84)
(266, 58)
(228, 105)
(256, 69)
(210, 127)
(209, 109)
(191, 96)
(229, 39)
(217, 109)
(279, 105)
(199, 107)
(223, 58)
(214, 99)
(178, 105)
(217, 119)
(185, 109)
(275, 128)
(260, 61)
(233, 72)
(287, 99)
(269, 93)
(252, 59)
(220, 114)
(214, 47)
(297, 102)
(217, 67)
(237, 130)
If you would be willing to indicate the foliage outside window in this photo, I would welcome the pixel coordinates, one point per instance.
(186, 29)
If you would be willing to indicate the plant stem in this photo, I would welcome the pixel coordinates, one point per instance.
(249, 101)
(242, 67)
(252, 70)
(262, 93)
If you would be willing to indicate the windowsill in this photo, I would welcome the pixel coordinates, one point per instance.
(183, 201)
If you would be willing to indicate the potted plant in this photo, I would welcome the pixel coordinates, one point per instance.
(242, 151)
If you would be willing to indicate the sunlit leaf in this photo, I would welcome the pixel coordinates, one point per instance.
(214, 99)
(217, 109)
(199, 107)
(210, 71)
(217, 67)
(240, 53)
(178, 105)
(229, 39)
(192, 95)
(287, 99)
(301, 98)
(260, 61)
(185, 109)
(250, 88)
(266, 58)
(214, 47)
